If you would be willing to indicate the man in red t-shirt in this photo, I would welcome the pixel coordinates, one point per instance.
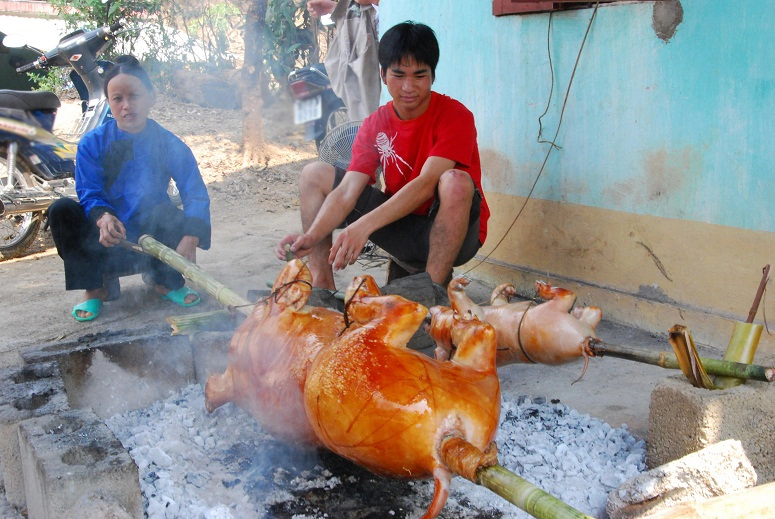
(433, 209)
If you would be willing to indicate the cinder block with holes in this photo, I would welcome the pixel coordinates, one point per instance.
(684, 419)
(72, 454)
(25, 392)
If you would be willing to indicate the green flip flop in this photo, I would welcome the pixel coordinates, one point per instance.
(92, 306)
(179, 295)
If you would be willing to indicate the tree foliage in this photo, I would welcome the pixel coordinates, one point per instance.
(290, 41)
(90, 14)
(201, 34)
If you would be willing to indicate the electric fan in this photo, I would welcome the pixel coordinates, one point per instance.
(336, 147)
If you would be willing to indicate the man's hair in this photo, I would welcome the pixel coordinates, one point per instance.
(127, 64)
(409, 40)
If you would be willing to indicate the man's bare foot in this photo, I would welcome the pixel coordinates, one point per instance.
(100, 293)
(190, 298)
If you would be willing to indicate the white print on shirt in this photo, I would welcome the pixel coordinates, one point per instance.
(387, 153)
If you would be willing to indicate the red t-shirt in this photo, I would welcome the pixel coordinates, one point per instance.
(446, 130)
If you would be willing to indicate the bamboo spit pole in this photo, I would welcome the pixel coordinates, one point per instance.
(148, 245)
(481, 467)
(668, 360)
(525, 495)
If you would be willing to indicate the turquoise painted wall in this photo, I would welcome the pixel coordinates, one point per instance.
(678, 129)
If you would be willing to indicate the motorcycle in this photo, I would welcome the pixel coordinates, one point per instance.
(36, 166)
(315, 104)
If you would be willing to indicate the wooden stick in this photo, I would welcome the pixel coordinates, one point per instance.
(758, 298)
(668, 360)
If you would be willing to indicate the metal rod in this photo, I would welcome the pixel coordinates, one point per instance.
(126, 244)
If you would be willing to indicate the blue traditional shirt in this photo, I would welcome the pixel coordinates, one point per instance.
(127, 175)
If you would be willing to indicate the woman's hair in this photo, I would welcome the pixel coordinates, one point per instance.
(409, 40)
(127, 64)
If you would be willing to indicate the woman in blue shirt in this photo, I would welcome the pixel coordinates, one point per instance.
(122, 172)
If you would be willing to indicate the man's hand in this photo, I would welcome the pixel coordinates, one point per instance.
(299, 245)
(348, 246)
(187, 248)
(284, 246)
(320, 7)
(111, 230)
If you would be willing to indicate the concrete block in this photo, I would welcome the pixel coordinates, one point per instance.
(25, 392)
(685, 419)
(72, 454)
(719, 469)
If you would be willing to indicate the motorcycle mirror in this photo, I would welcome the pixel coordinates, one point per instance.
(14, 41)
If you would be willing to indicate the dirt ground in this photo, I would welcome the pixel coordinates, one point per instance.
(252, 208)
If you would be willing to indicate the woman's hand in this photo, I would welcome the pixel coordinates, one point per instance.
(111, 230)
(187, 248)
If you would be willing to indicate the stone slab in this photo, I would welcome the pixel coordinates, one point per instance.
(717, 470)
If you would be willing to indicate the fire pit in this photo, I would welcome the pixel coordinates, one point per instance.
(148, 391)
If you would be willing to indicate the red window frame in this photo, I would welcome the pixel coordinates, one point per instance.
(504, 7)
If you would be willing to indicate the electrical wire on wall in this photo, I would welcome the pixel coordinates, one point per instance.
(540, 138)
(552, 143)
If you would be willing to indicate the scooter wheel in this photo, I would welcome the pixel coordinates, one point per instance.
(17, 231)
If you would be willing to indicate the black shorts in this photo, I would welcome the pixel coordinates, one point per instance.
(408, 239)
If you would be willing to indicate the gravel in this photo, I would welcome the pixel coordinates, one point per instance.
(223, 465)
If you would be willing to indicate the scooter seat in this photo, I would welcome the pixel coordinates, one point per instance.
(29, 101)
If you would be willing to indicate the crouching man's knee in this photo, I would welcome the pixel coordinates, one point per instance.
(317, 175)
(456, 187)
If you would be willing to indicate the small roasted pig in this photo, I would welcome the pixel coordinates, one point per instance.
(553, 332)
